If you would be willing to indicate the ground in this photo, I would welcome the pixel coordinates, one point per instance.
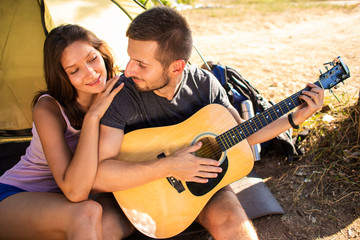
(280, 51)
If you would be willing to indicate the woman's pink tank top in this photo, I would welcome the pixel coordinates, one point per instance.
(32, 172)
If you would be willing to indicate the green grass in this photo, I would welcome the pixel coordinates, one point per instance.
(238, 8)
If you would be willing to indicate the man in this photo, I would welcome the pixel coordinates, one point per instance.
(162, 89)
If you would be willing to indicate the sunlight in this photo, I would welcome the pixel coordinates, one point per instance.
(350, 231)
(102, 17)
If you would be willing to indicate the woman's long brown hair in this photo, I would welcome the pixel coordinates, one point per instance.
(57, 81)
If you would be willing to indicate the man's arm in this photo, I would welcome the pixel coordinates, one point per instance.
(313, 102)
(114, 174)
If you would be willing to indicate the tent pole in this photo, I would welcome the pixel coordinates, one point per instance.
(202, 58)
(127, 14)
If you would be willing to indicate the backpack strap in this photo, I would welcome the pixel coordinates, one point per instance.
(220, 73)
(244, 87)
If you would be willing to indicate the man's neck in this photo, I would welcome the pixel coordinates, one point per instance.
(170, 90)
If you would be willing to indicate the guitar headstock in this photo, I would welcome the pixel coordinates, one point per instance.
(337, 74)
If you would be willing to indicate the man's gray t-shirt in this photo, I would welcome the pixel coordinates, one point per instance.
(131, 109)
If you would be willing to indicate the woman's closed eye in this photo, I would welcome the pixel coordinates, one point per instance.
(93, 59)
(75, 71)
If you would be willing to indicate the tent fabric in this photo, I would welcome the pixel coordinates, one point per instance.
(23, 25)
(21, 71)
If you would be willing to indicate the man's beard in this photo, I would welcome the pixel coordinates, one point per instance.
(165, 80)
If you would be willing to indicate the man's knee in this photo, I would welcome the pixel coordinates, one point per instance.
(115, 223)
(223, 208)
(225, 218)
(87, 212)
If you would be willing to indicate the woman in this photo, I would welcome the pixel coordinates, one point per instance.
(45, 196)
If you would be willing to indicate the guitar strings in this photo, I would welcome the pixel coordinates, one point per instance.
(240, 132)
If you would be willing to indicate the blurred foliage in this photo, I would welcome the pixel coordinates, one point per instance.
(168, 3)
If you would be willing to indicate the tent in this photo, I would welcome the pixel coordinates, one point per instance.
(23, 27)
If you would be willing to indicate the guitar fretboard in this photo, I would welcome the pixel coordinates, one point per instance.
(252, 125)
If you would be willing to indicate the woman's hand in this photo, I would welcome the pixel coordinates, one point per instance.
(102, 100)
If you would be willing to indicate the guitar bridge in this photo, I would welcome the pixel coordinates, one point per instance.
(173, 181)
(176, 184)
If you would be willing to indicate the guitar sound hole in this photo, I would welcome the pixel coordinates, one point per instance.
(209, 149)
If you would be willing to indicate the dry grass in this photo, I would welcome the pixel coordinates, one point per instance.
(320, 192)
(334, 148)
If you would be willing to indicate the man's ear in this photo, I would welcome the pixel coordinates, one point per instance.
(177, 67)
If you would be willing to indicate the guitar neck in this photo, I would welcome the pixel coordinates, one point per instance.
(252, 125)
(337, 74)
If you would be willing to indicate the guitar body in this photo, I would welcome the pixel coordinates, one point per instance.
(159, 210)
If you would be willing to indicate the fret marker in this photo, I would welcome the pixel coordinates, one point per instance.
(289, 103)
(267, 116)
(255, 129)
(277, 110)
(240, 132)
(233, 136)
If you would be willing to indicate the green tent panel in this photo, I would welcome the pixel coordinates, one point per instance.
(21, 42)
(21, 71)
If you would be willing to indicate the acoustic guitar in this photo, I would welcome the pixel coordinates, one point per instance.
(165, 207)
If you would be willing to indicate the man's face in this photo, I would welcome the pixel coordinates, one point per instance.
(146, 71)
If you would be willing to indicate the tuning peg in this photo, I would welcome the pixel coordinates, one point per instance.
(334, 95)
(329, 63)
(320, 72)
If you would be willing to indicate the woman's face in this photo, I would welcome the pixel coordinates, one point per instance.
(85, 67)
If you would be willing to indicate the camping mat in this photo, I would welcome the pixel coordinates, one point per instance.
(254, 196)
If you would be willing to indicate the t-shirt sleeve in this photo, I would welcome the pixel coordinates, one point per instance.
(117, 114)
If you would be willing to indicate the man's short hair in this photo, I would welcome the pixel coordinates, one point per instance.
(168, 28)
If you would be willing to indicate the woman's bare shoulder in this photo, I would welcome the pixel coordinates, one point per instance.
(47, 109)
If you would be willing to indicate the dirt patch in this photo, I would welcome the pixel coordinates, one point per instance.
(279, 53)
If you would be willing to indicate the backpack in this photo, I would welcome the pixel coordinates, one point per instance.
(238, 89)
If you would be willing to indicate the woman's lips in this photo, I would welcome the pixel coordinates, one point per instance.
(96, 82)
